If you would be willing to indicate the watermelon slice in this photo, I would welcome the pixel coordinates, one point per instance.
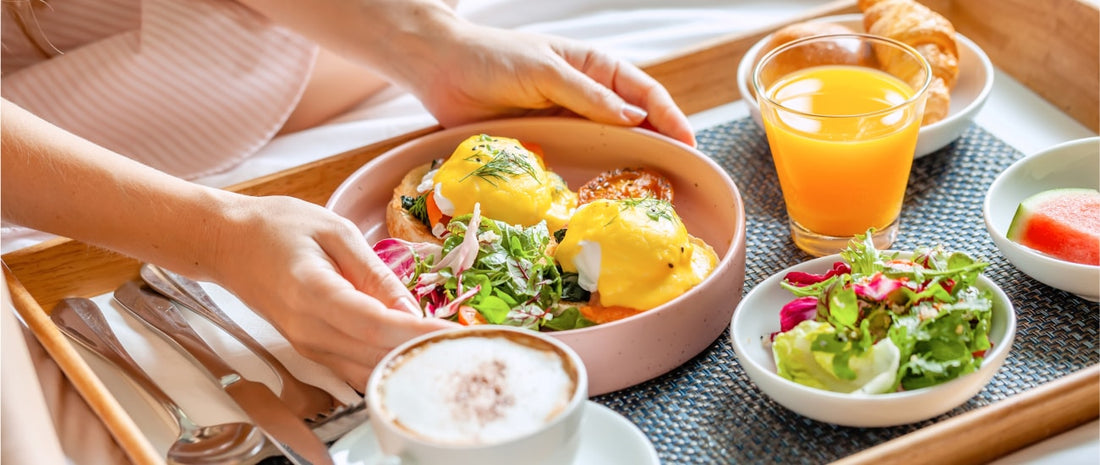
(1063, 223)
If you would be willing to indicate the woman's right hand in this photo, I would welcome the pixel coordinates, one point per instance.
(311, 273)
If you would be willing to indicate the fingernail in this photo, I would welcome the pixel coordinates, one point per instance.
(634, 113)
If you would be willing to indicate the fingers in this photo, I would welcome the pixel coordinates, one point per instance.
(387, 287)
(328, 293)
(367, 319)
(358, 263)
(351, 332)
(664, 115)
(572, 88)
(613, 91)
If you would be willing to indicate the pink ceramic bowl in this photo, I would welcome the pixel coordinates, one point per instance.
(635, 349)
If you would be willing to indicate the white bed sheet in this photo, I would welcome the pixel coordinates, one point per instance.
(639, 31)
(636, 30)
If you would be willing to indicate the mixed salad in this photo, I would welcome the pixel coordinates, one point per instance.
(487, 271)
(877, 323)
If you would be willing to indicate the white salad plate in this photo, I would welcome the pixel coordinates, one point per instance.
(757, 317)
(1070, 164)
(971, 90)
(607, 438)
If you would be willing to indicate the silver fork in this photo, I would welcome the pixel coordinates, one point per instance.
(310, 402)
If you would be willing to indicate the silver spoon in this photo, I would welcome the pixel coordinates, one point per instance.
(82, 320)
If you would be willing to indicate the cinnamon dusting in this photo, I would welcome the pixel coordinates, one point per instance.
(482, 394)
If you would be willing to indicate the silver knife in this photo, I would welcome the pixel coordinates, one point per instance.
(285, 430)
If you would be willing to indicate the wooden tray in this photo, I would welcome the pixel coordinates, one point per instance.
(1053, 47)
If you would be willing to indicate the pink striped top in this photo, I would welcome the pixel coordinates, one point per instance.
(190, 87)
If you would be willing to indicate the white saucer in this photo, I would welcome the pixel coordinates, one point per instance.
(607, 438)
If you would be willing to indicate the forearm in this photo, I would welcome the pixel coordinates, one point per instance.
(55, 181)
(397, 38)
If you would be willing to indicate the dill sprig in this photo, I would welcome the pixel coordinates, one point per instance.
(417, 207)
(655, 209)
(505, 161)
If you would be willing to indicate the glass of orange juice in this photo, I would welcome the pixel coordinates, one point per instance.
(842, 113)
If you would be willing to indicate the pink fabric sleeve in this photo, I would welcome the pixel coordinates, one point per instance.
(199, 86)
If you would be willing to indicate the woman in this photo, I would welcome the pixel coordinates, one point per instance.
(192, 87)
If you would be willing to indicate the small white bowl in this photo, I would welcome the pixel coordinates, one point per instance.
(1070, 164)
(757, 317)
(967, 98)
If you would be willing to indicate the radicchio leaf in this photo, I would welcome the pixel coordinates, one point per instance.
(447, 309)
(878, 288)
(463, 256)
(801, 278)
(797, 311)
(401, 255)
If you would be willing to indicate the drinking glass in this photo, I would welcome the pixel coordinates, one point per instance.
(842, 113)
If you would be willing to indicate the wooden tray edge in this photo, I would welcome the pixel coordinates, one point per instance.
(119, 423)
(986, 433)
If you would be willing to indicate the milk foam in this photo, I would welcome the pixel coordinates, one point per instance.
(475, 390)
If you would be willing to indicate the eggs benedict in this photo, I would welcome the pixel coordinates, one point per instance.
(631, 254)
(509, 181)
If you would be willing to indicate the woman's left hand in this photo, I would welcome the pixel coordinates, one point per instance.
(311, 274)
(464, 72)
(483, 73)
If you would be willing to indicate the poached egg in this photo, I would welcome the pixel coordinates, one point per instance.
(636, 253)
(510, 182)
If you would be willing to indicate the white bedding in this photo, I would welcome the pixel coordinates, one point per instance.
(636, 30)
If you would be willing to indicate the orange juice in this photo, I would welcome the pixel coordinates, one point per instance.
(843, 155)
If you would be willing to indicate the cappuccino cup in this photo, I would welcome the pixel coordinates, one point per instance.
(480, 395)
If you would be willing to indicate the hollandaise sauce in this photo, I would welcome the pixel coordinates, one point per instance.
(635, 253)
(509, 181)
(842, 146)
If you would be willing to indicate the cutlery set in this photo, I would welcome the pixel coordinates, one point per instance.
(288, 418)
(307, 401)
(82, 321)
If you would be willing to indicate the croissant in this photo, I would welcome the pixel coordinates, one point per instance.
(929, 33)
(825, 52)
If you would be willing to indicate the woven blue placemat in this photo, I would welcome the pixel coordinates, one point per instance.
(708, 411)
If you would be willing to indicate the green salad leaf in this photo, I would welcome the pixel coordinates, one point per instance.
(568, 317)
(926, 306)
(945, 346)
(816, 355)
(511, 270)
(518, 283)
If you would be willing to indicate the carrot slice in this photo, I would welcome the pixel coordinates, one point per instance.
(599, 314)
(435, 215)
(468, 316)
